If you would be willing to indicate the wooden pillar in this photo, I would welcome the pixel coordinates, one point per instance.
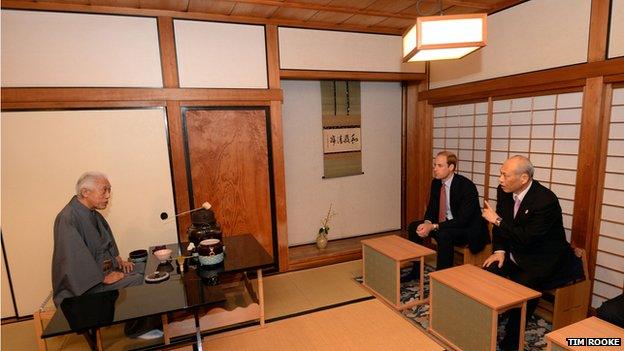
(174, 123)
(277, 145)
(598, 30)
(418, 153)
(589, 173)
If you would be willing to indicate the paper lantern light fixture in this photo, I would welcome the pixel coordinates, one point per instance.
(444, 37)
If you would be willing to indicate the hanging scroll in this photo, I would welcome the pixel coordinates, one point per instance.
(342, 138)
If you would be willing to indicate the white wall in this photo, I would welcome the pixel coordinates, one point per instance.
(220, 55)
(52, 49)
(616, 34)
(365, 204)
(44, 153)
(532, 36)
(311, 49)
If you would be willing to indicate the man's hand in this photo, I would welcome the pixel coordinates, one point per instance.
(489, 214)
(125, 266)
(113, 277)
(424, 229)
(498, 256)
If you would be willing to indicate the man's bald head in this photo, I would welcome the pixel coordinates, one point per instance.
(516, 174)
(521, 165)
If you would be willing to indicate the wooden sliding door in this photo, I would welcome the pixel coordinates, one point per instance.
(229, 165)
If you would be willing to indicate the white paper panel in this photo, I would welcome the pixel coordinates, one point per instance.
(615, 230)
(520, 132)
(515, 47)
(616, 131)
(543, 116)
(611, 239)
(606, 290)
(523, 104)
(220, 55)
(542, 131)
(523, 117)
(570, 100)
(610, 245)
(615, 164)
(519, 145)
(612, 213)
(563, 191)
(567, 147)
(571, 115)
(541, 146)
(566, 177)
(308, 195)
(542, 174)
(565, 161)
(343, 51)
(130, 146)
(544, 102)
(481, 108)
(614, 181)
(439, 111)
(609, 276)
(51, 49)
(608, 260)
(616, 44)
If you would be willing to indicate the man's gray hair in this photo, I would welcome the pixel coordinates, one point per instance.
(524, 165)
(87, 181)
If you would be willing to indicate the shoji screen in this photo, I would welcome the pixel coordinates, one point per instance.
(609, 274)
(462, 129)
(546, 129)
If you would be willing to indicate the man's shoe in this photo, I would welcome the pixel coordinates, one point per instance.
(152, 334)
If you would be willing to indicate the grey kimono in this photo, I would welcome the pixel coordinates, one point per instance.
(84, 252)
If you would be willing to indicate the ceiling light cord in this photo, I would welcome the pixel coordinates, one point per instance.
(420, 13)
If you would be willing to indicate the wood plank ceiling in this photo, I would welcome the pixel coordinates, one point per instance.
(377, 16)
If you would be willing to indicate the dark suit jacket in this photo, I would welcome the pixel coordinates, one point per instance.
(536, 237)
(465, 208)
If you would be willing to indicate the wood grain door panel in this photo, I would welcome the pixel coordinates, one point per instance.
(228, 158)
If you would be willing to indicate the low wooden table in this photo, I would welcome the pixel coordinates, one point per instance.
(381, 265)
(587, 328)
(465, 302)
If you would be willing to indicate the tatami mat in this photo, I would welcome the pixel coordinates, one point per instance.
(285, 294)
(366, 325)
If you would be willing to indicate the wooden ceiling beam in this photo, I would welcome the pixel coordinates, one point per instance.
(80, 8)
(501, 5)
(472, 4)
(311, 6)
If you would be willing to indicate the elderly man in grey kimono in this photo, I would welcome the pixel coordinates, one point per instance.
(86, 258)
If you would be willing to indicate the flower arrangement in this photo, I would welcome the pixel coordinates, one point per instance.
(324, 229)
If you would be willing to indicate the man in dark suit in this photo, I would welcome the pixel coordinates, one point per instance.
(529, 241)
(452, 216)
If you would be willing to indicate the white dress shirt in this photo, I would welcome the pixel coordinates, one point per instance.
(447, 185)
(520, 196)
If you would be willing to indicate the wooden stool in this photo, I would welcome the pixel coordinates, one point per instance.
(571, 302)
(381, 265)
(465, 303)
(587, 328)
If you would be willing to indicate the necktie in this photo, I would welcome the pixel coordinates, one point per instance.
(516, 205)
(442, 212)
